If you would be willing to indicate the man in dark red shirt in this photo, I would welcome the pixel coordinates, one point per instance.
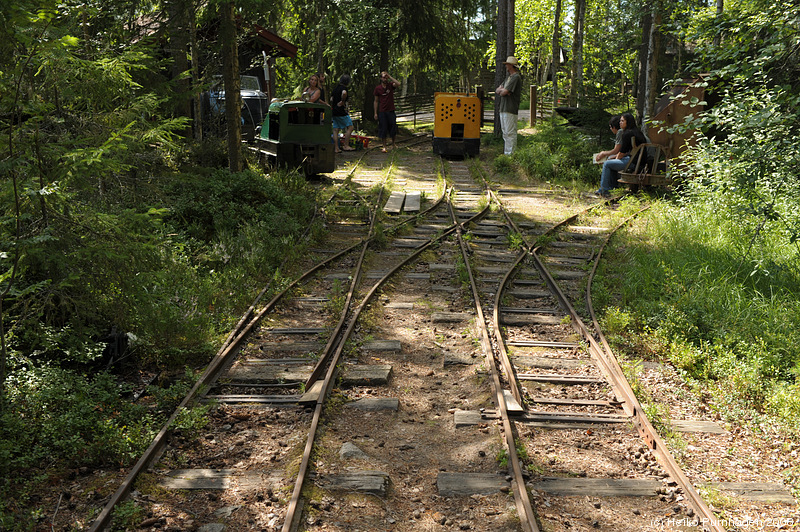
(384, 108)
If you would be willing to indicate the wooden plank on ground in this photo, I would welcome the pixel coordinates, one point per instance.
(512, 406)
(755, 491)
(413, 201)
(220, 479)
(467, 484)
(395, 202)
(598, 487)
(245, 372)
(709, 427)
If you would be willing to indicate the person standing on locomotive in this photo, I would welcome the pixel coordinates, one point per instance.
(340, 116)
(510, 93)
(384, 108)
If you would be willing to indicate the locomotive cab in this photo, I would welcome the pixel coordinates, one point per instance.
(297, 134)
(457, 125)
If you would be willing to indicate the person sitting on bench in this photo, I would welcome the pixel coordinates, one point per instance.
(611, 168)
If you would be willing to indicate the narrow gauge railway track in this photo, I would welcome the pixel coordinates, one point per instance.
(407, 350)
(291, 345)
(568, 398)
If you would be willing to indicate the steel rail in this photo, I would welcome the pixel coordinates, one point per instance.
(251, 309)
(521, 497)
(292, 515)
(608, 363)
(291, 519)
(613, 372)
(331, 361)
(502, 350)
(633, 407)
(211, 372)
(215, 366)
(316, 373)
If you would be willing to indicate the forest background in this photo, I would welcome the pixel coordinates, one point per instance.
(130, 238)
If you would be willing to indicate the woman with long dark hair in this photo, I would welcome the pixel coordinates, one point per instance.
(630, 134)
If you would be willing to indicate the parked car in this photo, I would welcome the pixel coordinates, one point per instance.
(255, 104)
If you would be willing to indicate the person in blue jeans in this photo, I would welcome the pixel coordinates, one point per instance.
(614, 164)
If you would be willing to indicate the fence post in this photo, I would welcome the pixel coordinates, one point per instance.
(534, 96)
(479, 93)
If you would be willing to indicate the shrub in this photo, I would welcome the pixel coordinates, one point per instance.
(54, 415)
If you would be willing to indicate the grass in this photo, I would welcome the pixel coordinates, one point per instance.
(552, 155)
(696, 287)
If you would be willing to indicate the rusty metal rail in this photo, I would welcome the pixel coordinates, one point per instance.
(219, 362)
(521, 496)
(603, 353)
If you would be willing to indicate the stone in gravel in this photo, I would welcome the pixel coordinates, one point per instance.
(351, 451)
(450, 317)
(226, 512)
(459, 359)
(376, 404)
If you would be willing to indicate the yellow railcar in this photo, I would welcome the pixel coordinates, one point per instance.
(457, 124)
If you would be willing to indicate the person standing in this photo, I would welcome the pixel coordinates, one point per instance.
(509, 94)
(384, 108)
(340, 116)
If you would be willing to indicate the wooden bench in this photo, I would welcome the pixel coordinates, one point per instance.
(648, 166)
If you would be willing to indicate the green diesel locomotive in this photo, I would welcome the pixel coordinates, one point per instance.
(297, 134)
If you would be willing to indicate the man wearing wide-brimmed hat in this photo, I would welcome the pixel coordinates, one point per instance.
(508, 103)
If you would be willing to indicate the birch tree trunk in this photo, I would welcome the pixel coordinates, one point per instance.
(577, 54)
(556, 52)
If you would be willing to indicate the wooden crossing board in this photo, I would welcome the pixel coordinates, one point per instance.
(755, 491)
(395, 202)
(413, 200)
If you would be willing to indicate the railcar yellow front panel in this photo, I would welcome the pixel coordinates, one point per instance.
(457, 116)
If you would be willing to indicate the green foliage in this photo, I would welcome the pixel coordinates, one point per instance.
(127, 515)
(616, 321)
(611, 37)
(515, 241)
(462, 273)
(53, 416)
(719, 316)
(502, 164)
(190, 421)
(556, 155)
